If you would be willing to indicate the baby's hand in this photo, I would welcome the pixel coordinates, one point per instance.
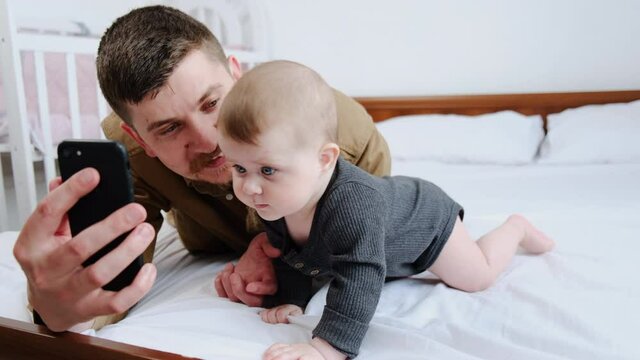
(278, 314)
(292, 352)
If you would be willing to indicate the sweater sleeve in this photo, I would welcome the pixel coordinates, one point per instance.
(355, 239)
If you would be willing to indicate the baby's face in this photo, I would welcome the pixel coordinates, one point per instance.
(275, 177)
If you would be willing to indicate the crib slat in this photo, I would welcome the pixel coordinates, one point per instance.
(74, 104)
(4, 219)
(48, 153)
(21, 155)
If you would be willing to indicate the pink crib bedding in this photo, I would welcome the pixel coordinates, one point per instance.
(58, 98)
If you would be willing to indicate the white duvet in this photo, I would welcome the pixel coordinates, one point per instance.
(578, 302)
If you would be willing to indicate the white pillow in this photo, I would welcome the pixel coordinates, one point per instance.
(504, 137)
(593, 134)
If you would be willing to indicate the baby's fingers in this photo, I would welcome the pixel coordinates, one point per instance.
(278, 351)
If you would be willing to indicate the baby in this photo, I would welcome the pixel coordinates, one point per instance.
(330, 219)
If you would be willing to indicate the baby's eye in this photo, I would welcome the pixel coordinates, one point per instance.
(266, 170)
(240, 169)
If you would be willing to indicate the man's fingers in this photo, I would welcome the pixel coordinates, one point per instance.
(57, 203)
(46, 220)
(75, 251)
(109, 266)
(262, 287)
(217, 282)
(226, 282)
(54, 183)
(121, 301)
(239, 291)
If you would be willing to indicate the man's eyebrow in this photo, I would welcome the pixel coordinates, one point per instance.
(208, 92)
(156, 124)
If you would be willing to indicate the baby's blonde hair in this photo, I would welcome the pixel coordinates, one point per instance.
(276, 93)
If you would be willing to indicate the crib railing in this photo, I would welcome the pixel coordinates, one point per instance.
(23, 153)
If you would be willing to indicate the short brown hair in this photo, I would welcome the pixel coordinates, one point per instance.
(140, 50)
(279, 91)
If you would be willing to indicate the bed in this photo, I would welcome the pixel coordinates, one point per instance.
(574, 173)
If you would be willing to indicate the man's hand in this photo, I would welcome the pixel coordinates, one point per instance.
(64, 293)
(253, 269)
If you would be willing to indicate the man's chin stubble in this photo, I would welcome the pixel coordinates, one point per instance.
(220, 175)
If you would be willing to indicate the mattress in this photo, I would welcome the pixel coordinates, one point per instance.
(577, 302)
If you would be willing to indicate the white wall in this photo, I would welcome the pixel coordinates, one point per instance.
(96, 14)
(420, 47)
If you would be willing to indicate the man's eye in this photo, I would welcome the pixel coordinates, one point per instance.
(268, 170)
(240, 169)
(210, 105)
(169, 129)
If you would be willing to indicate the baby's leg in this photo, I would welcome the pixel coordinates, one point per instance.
(473, 266)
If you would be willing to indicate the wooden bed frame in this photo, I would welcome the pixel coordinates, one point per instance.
(382, 108)
(20, 340)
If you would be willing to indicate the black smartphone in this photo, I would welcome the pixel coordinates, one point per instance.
(114, 191)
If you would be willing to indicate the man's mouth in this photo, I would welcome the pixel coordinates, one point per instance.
(216, 161)
(211, 160)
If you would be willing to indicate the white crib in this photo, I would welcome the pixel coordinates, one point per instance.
(35, 123)
(22, 132)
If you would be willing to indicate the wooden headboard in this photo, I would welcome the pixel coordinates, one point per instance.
(382, 108)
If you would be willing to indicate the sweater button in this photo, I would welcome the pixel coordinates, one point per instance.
(298, 265)
(314, 272)
(229, 197)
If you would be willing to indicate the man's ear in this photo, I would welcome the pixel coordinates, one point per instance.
(329, 154)
(234, 67)
(136, 137)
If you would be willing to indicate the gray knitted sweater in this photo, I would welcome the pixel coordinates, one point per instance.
(365, 229)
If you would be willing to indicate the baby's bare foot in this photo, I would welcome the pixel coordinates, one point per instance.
(535, 241)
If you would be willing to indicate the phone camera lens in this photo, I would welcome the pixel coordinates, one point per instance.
(66, 153)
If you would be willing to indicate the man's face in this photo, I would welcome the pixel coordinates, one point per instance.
(178, 125)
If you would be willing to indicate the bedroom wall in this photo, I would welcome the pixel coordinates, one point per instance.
(418, 47)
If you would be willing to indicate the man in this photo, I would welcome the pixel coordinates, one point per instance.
(165, 75)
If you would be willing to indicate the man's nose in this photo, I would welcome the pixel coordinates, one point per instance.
(203, 136)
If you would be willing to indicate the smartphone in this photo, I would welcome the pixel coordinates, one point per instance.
(114, 191)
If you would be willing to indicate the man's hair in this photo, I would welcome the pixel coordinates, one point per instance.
(277, 92)
(141, 49)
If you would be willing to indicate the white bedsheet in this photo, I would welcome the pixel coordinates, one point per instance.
(577, 302)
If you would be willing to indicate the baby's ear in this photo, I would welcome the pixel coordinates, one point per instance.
(329, 156)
